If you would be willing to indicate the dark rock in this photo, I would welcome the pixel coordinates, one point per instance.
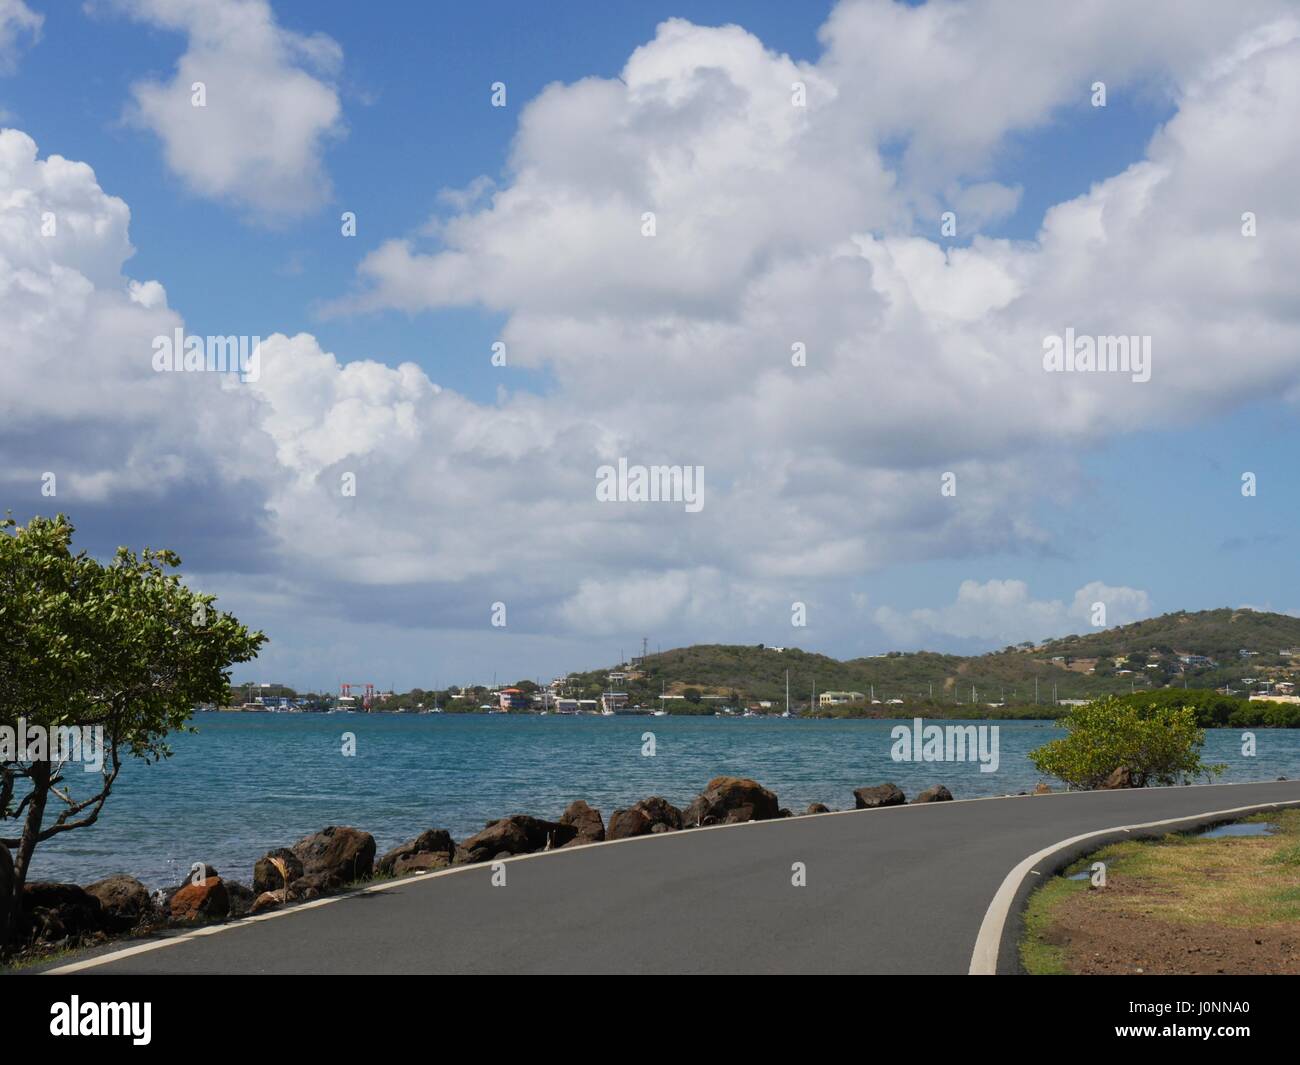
(337, 854)
(585, 821)
(206, 900)
(55, 912)
(938, 793)
(818, 808)
(1120, 778)
(432, 849)
(125, 901)
(880, 795)
(266, 877)
(730, 800)
(241, 897)
(783, 812)
(517, 834)
(640, 819)
(311, 886)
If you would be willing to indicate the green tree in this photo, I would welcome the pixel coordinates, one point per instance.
(1159, 742)
(121, 652)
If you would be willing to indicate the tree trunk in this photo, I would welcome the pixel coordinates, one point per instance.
(7, 895)
(40, 781)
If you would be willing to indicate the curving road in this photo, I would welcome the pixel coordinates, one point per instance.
(899, 890)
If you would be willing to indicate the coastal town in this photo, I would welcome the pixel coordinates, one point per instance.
(766, 681)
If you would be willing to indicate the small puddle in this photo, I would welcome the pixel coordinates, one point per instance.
(1241, 828)
(1252, 828)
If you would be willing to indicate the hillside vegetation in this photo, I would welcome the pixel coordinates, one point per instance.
(1141, 656)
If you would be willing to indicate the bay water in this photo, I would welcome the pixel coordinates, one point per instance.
(246, 783)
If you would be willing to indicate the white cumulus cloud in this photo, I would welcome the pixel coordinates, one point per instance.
(270, 105)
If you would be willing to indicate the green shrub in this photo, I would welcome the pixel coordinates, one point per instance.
(1158, 741)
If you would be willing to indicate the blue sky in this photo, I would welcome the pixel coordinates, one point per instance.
(1140, 495)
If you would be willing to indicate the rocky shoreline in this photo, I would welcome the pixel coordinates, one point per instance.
(65, 916)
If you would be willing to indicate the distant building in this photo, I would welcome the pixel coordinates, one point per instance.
(1196, 660)
(544, 700)
(1258, 697)
(839, 698)
(567, 706)
(513, 699)
(613, 701)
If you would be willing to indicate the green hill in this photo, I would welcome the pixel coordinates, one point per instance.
(1143, 655)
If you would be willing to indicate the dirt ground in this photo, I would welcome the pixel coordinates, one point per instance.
(1180, 905)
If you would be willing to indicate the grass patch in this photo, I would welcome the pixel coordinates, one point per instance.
(1193, 889)
(1038, 954)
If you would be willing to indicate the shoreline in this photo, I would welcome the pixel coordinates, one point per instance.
(338, 859)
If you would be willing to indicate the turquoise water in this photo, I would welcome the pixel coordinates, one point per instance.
(249, 782)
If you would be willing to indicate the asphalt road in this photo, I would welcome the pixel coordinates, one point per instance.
(899, 890)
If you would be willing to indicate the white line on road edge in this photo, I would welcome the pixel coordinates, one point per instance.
(988, 944)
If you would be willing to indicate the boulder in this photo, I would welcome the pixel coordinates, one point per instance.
(311, 886)
(337, 854)
(938, 793)
(125, 901)
(640, 819)
(517, 834)
(1120, 778)
(1042, 789)
(208, 900)
(55, 912)
(730, 800)
(818, 808)
(432, 849)
(203, 872)
(266, 877)
(267, 900)
(880, 795)
(585, 821)
(241, 897)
